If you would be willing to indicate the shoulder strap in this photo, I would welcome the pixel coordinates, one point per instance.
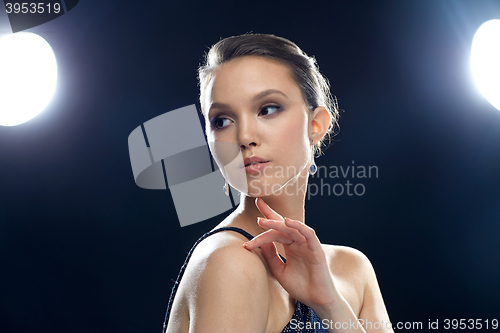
(183, 268)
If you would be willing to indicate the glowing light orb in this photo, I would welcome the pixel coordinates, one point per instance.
(28, 76)
(485, 61)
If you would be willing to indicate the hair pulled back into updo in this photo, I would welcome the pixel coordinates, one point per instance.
(304, 69)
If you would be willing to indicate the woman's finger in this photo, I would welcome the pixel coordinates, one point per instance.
(268, 237)
(307, 232)
(273, 260)
(294, 234)
(267, 211)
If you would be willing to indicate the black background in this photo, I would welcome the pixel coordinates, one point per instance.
(83, 249)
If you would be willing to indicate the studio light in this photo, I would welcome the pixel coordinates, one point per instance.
(28, 76)
(485, 61)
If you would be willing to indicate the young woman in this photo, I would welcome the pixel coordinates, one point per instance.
(263, 269)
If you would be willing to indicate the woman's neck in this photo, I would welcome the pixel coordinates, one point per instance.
(286, 206)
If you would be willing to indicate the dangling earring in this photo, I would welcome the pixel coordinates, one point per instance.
(313, 168)
(226, 188)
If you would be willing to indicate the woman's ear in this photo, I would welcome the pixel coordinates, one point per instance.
(320, 121)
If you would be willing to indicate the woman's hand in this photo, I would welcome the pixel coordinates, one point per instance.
(306, 275)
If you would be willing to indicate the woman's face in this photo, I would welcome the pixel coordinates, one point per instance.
(255, 104)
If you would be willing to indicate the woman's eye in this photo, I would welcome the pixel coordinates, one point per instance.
(220, 122)
(269, 109)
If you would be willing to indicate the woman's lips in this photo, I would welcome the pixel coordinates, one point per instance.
(257, 167)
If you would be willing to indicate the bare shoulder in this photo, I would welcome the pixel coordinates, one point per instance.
(352, 271)
(223, 257)
(220, 274)
(355, 276)
(346, 260)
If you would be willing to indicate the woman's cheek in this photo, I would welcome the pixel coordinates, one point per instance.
(291, 138)
(294, 133)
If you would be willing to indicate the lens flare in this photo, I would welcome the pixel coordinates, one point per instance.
(28, 76)
(485, 61)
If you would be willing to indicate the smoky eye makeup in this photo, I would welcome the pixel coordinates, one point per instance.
(270, 109)
(219, 122)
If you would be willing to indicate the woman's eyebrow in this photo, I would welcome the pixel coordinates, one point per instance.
(257, 97)
(266, 93)
(218, 106)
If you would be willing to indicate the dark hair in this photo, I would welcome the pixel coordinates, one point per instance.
(314, 86)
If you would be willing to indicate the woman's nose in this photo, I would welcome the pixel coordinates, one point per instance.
(248, 135)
